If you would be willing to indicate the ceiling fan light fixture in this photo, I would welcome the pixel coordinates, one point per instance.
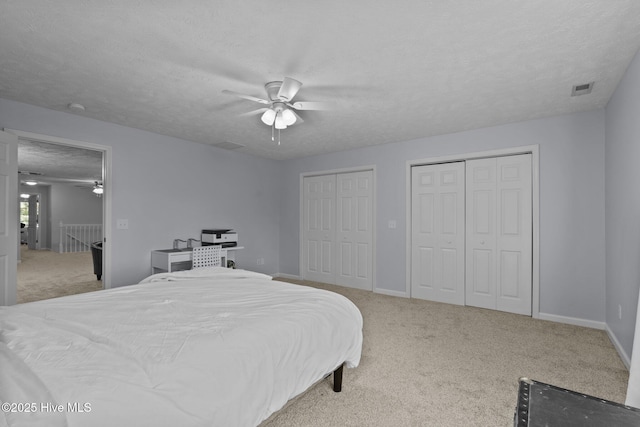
(268, 117)
(281, 112)
(280, 123)
(98, 189)
(288, 117)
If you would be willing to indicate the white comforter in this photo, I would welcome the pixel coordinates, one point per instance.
(209, 347)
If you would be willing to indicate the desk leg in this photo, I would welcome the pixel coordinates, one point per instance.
(231, 256)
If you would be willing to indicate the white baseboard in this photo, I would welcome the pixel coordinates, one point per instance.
(594, 325)
(623, 354)
(391, 293)
(573, 321)
(287, 276)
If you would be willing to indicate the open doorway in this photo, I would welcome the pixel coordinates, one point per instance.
(29, 218)
(62, 207)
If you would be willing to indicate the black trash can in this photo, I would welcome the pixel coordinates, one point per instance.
(96, 254)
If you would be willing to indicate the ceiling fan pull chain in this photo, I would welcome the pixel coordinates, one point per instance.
(278, 136)
(272, 130)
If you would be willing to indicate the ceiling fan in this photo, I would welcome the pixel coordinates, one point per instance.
(279, 111)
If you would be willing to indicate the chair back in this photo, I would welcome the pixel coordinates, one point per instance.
(206, 256)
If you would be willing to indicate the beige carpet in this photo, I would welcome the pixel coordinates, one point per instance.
(45, 274)
(432, 364)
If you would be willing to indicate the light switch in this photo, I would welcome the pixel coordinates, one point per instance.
(122, 224)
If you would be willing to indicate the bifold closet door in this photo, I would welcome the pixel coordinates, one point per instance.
(499, 233)
(438, 236)
(338, 229)
(354, 230)
(319, 213)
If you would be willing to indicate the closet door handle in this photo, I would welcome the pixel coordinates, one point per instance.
(482, 242)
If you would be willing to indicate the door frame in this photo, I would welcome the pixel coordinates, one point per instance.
(304, 175)
(106, 197)
(534, 150)
(10, 242)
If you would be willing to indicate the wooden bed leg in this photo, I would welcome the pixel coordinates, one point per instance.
(337, 379)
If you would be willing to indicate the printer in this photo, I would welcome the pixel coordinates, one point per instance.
(225, 237)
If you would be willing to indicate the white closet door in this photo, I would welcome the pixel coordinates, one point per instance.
(481, 233)
(499, 233)
(437, 241)
(354, 230)
(514, 243)
(319, 211)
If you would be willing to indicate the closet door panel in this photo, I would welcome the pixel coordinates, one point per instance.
(319, 194)
(354, 229)
(437, 241)
(423, 271)
(514, 218)
(480, 280)
(499, 227)
(510, 274)
(481, 272)
(449, 270)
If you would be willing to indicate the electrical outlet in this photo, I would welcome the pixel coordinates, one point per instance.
(260, 261)
(392, 223)
(122, 224)
(620, 311)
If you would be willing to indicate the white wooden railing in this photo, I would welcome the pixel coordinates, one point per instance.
(78, 237)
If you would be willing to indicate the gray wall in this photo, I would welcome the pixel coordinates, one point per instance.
(572, 257)
(72, 205)
(623, 206)
(169, 188)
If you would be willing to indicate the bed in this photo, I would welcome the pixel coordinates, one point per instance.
(206, 347)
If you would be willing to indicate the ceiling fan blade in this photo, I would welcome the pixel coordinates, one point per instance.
(289, 89)
(310, 106)
(254, 112)
(249, 97)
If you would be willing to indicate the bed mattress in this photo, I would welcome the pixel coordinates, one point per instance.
(215, 347)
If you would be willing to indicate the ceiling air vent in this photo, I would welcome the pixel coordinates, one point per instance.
(582, 89)
(228, 145)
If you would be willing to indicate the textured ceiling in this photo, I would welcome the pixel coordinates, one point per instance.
(393, 71)
(53, 163)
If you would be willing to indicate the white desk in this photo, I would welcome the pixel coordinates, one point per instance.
(168, 260)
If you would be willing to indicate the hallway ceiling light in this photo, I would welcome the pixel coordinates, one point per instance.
(98, 189)
(31, 183)
(74, 106)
